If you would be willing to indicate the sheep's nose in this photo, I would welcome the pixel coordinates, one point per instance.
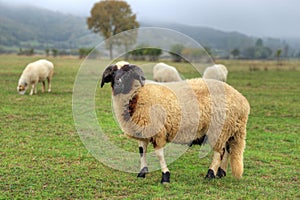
(119, 81)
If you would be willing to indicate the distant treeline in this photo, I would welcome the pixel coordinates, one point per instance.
(177, 53)
(81, 52)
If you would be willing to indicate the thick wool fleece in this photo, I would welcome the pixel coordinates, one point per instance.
(180, 112)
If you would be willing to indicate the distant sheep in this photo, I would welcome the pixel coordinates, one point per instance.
(217, 72)
(35, 72)
(183, 112)
(165, 73)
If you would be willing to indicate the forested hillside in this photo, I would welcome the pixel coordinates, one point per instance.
(30, 27)
(24, 27)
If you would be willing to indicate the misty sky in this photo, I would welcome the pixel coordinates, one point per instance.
(275, 18)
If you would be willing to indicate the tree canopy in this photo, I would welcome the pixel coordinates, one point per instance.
(110, 17)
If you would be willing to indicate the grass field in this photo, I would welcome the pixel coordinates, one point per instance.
(42, 156)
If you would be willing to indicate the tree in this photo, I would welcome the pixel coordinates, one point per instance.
(83, 52)
(278, 54)
(176, 51)
(27, 52)
(235, 53)
(47, 51)
(142, 52)
(110, 17)
(259, 43)
(153, 53)
(54, 52)
(259, 51)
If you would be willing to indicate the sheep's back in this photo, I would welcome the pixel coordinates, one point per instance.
(217, 72)
(38, 70)
(219, 94)
(165, 73)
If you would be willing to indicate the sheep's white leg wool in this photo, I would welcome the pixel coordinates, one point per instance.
(224, 163)
(165, 171)
(214, 165)
(143, 149)
(49, 85)
(35, 88)
(32, 89)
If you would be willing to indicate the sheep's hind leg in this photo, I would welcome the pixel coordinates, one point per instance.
(43, 88)
(143, 149)
(224, 163)
(165, 171)
(35, 88)
(211, 173)
(49, 84)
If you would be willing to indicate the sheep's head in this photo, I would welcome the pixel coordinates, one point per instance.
(22, 88)
(123, 79)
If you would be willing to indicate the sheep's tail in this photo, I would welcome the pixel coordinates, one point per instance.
(237, 146)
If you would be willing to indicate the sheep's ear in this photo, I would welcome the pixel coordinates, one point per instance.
(141, 80)
(108, 74)
(139, 74)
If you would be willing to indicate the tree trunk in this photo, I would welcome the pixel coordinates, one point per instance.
(111, 51)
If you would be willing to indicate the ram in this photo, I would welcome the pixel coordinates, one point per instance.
(183, 112)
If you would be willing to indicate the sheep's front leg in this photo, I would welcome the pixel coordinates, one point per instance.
(214, 165)
(165, 171)
(143, 149)
(33, 88)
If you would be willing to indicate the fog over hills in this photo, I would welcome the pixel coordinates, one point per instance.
(32, 27)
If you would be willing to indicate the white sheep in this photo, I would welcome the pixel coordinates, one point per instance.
(217, 72)
(183, 112)
(165, 73)
(35, 72)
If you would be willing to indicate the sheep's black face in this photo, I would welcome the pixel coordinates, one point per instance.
(108, 75)
(122, 79)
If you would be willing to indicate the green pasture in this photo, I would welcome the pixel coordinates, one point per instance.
(43, 157)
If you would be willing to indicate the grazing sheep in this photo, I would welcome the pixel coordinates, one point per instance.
(183, 112)
(165, 73)
(217, 72)
(35, 72)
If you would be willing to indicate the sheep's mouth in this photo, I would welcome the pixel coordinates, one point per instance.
(21, 89)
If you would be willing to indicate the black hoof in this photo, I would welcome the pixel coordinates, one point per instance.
(143, 172)
(165, 178)
(210, 174)
(221, 173)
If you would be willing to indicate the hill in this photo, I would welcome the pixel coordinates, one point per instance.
(30, 27)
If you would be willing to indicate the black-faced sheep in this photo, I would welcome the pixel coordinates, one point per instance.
(217, 72)
(35, 72)
(165, 73)
(183, 112)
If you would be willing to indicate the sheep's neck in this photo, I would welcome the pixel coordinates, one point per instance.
(124, 104)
